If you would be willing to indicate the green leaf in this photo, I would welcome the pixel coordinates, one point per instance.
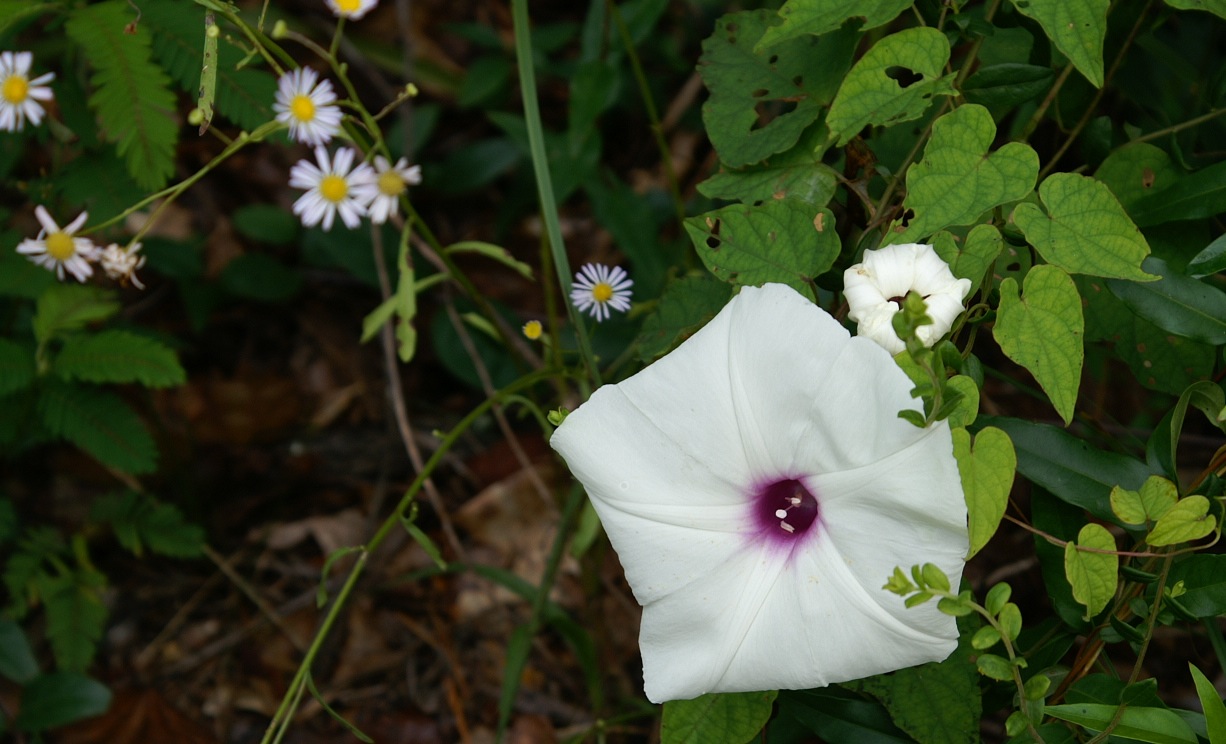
(1008, 84)
(1085, 230)
(987, 470)
(936, 703)
(1216, 7)
(132, 99)
(1204, 583)
(59, 698)
(798, 173)
(787, 85)
(1136, 171)
(1093, 576)
(139, 520)
(25, 566)
(966, 404)
(1069, 467)
(261, 277)
(971, 259)
(119, 356)
(687, 304)
(17, 663)
(13, 12)
(1211, 703)
(493, 252)
(1186, 521)
(728, 718)
(816, 17)
(995, 667)
(99, 423)
(1176, 303)
(266, 223)
(1209, 261)
(70, 307)
(1155, 498)
(833, 714)
(1159, 360)
(17, 367)
(76, 616)
(957, 181)
(1076, 27)
(1043, 333)
(1195, 196)
(208, 72)
(1154, 725)
(871, 92)
(781, 241)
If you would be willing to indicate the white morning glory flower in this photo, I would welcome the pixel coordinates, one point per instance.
(58, 250)
(354, 9)
(598, 287)
(19, 95)
(759, 488)
(392, 181)
(120, 264)
(875, 289)
(309, 109)
(332, 187)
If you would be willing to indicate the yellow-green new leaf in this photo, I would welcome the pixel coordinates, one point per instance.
(1155, 499)
(971, 259)
(1085, 230)
(957, 181)
(1211, 703)
(869, 95)
(1043, 333)
(1076, 27)
(1093, 575)
(987, 470)
(1187, 520)
(966, 410)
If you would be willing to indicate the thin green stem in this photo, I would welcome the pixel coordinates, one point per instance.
(657, 129)
(1041, 111)
(544, 182)
(1180, 127)
(280, 721)
(897, 178)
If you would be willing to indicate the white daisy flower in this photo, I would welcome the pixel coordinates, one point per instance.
(307, 107)
(333, 185)
(354, 9)
(875, 289)
(598, 287)
(392, 181)
(19, 95)
(121, 265)
(56, 250)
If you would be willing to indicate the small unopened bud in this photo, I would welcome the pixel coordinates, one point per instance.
(196, 117)
(212, 31)
(411, 90)
(279, 30)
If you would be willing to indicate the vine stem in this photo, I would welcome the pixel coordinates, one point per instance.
(544, 182)
(1182, 126)
(1041, 111)
(279, 724)
(1122, 553)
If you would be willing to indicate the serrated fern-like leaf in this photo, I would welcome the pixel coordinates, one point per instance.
(76, 616)
(139, 520)
(16, 366)
(69, 307)
(25, 565)
(99, 423)
(244, 96)
(131, 94)
(116, 356)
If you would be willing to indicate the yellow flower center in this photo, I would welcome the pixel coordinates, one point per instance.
(16, 89)
(333, 188)
(533, 330)
(391, 184)
(348, 6)
(602, 292)
(302, 107)
(60, 246)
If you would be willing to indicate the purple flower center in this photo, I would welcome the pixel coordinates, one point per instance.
(785, 508)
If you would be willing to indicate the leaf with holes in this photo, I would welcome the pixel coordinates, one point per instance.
(779, 241)
(1084, 230)
(1092, 574)
(1158, 359)
(797, 174)
(894, 82)
(760, 104)
(957, 181)
(1076, 27)
(987, 468)
(815, 17)
(1043, 333)
(687, 304)
(1216, 7)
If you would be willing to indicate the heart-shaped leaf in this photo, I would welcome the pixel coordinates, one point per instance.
(1188, 520)
(987, 469)
(1093, 575)
(1076, 27)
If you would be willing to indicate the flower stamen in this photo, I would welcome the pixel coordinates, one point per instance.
(790, 503)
